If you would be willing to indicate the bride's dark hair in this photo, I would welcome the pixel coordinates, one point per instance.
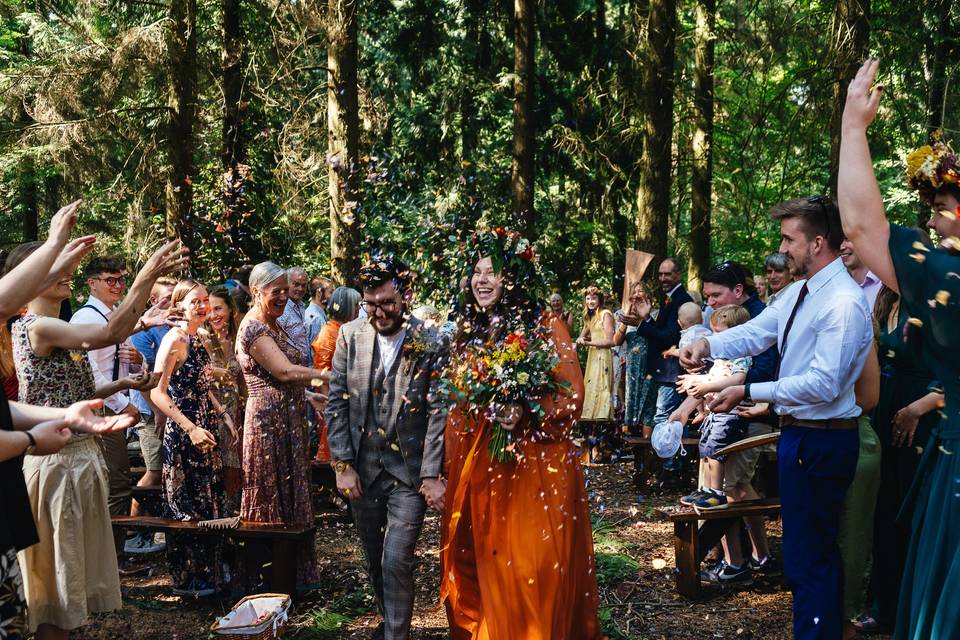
(513, 259)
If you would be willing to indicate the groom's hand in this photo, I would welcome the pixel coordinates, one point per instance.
(434, 490)
(348, 483)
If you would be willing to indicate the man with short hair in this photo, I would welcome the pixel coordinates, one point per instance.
(728, 283)
(292, 321)
(823, 331)
(663, 333)
(778, 276)
(385, 430)
(106, 279)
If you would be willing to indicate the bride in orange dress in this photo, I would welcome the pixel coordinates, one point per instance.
(516, 553)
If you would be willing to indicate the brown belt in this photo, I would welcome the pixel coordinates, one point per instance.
(833, 423)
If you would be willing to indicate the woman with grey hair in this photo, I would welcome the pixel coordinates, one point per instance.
(344, 305)
(276, 467)
(778, 276)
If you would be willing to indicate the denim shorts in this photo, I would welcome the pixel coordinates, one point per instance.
(720, 430)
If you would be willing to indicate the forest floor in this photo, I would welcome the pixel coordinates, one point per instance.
(635, 570)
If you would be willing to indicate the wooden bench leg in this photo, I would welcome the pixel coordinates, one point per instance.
(283, 570)
(685, 536)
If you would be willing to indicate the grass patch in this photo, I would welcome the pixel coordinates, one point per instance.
(609, 627)
(324, 625)
(615, 567)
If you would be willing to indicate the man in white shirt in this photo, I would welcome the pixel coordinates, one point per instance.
(292, 320)
(869, 282)
(107, 282)
(315, 315)
(823, 331)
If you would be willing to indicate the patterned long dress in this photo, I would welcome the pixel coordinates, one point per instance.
(598, 374)
(641, 401)
(193, 479)
(276, 463)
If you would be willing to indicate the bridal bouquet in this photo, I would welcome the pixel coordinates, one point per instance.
(487, 377)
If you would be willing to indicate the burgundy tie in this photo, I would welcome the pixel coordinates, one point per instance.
(786, 330)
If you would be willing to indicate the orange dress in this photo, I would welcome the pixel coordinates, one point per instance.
(516, 543)
(323, 347)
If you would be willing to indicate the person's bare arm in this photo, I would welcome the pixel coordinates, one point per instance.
(21, 285)
(79, 417)
(172, 352)
(606, 341)
(685, 410)
(858, 195)
(47, 334)
(269, 356)
(867, 387)
(701, 388)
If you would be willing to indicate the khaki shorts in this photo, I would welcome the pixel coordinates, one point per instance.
(740, 467)
(151, 445)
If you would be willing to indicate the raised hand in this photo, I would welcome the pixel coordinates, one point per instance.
(862, 100)
(170, 258)
(80, 417)
(62, 223)
(71, 256)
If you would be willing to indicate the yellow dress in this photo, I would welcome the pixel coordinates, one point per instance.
(598, 375)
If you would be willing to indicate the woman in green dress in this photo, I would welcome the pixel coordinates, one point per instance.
(926, 277)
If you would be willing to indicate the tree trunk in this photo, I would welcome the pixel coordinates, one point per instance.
(938, 55)
(524, 127)
(850, 36)
(653, 194)
(702, 171)
(182, 100)
(468, 103)
(343, 139)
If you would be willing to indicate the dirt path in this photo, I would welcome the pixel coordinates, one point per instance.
(635, 565)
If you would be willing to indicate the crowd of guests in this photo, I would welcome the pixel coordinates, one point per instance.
(842, 346)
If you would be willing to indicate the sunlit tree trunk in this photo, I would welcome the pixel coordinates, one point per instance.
(524, 127)
(343, 139)
(702, 170)
(653, 194)
(850, 37)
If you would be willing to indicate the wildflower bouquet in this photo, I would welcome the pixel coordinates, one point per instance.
(932, 166)
(487, 377)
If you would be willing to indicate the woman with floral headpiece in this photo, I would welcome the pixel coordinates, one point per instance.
(516, 549)
(597, 337)
(926, 277)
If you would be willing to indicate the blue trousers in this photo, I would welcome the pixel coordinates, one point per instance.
(816, 468)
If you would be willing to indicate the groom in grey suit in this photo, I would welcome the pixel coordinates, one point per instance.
(385, 431)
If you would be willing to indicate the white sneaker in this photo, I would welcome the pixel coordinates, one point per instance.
(142, 544)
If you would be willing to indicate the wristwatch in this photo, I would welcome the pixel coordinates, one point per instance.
(339, 466)
(32, 446)
(746, 393)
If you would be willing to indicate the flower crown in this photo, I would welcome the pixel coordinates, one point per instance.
(507, 250)
(931, 167)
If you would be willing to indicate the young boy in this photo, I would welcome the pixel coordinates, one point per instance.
(719, 429)
(690, 319)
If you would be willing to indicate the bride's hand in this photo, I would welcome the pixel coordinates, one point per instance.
(862, 98)
(509, 415)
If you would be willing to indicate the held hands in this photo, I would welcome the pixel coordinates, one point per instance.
(434, 490)
(80, 417)
(348, 483)
(862, 101)
(508, 415)
(51, 436)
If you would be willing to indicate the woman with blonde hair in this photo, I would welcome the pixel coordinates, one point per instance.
(597, 336)
(192, 468)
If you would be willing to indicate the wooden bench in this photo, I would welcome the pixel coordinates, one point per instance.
(645, 459)
(284, 544)
(687, 535)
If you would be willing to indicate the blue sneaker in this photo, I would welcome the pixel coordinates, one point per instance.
(710, 500)
(693, 497)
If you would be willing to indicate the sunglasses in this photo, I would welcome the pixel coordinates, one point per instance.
(733, 269)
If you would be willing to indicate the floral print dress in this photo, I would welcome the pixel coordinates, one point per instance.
(193, 479)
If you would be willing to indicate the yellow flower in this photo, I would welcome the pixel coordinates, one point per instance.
(917, 159)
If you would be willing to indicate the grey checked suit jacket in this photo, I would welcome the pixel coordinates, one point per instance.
(418, 414)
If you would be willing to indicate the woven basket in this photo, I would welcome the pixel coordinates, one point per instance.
(271, 627)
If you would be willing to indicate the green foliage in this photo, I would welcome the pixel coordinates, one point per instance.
(609, 626)
(615, 567)
(83, 113)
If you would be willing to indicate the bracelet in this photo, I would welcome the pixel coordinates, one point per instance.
(32, 445)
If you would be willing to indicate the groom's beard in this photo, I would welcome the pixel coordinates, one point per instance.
(392, 323)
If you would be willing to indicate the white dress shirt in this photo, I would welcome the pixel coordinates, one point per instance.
(390, 348)
(101, 360)
(827, 346)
